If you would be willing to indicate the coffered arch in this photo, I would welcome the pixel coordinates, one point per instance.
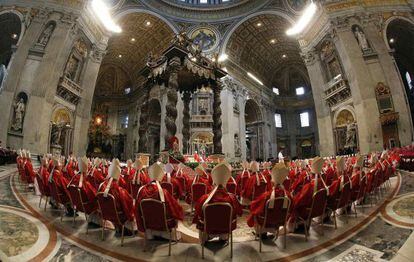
(142, 33)
(260, 45)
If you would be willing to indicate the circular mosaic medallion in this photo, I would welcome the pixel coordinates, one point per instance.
(206, 38)
(22, 237)
(400, 211)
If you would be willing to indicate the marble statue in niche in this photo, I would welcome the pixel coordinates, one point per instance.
(76, 60)
(57, 131)
(350, 135)
(237, 146)
(19, 111)
(361, 38)
(330, 59)
(46, 34)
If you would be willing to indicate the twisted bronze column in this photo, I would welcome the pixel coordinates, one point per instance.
(143, 124)
(186, 122)
(217, 133)
(171, 107)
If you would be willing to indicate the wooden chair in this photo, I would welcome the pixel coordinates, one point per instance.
(274, 218)
(214, 225)
(109, 212)
(317, 209)
(154, 217)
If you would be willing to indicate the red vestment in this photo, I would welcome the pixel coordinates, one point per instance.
(61, 183)
(44, 174)
(303, 199)
(150, 191)
(255, 181)
(241, 181)
(177, 188)
(28, 169)
(87, 188)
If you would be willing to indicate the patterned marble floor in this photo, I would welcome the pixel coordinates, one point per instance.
(378, 240)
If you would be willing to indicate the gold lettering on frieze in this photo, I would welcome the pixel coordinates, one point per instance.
(367, 3)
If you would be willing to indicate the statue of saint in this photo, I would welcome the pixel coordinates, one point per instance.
(46, 34)
(19, 110)
(56, 133)
(362, 40)
(350, 135)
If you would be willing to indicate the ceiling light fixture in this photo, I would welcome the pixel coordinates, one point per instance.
(304, 20)
(102, 11)
(392, 40)
(223, 57)
(120, 56)
(14, 36)
(254, 78)
(273, 41)
(259, 24)
(133, 39)
(148, 23)
(284, 56)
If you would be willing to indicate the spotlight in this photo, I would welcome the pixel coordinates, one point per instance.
(14, 36)
(392, 40)
(284, 56)
(133, 39)
(98, 120)
(119, 56)
(223, 57)
(259, 24)
(148, 23)
(273, 41)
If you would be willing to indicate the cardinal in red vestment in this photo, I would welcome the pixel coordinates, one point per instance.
(242, 178)
(96, 175)
(44, 175)
(303, 200)
(200, 177)
(256, 185)
(79, 180)
(123, 199)
(137, 178)
(220, 174)
(257, 207)
(28, 168)
(168, 178)
(56, 178)
(129, 171)
(153, 190)
(182, 176)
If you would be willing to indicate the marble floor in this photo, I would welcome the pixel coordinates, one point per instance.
(383, 232)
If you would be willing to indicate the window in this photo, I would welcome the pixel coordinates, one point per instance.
(203, 2)
(127, 90)
(276, 90)
(409, 81)
(300, 91)
(278, 120)
(304, 119)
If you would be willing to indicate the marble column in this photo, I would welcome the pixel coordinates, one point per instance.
(83, 110)
(217, 122)
(362, 81)
(44, 85)
(18, 71)
(228, 130)
(386, 70)
(323, 112)
(163, 129)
